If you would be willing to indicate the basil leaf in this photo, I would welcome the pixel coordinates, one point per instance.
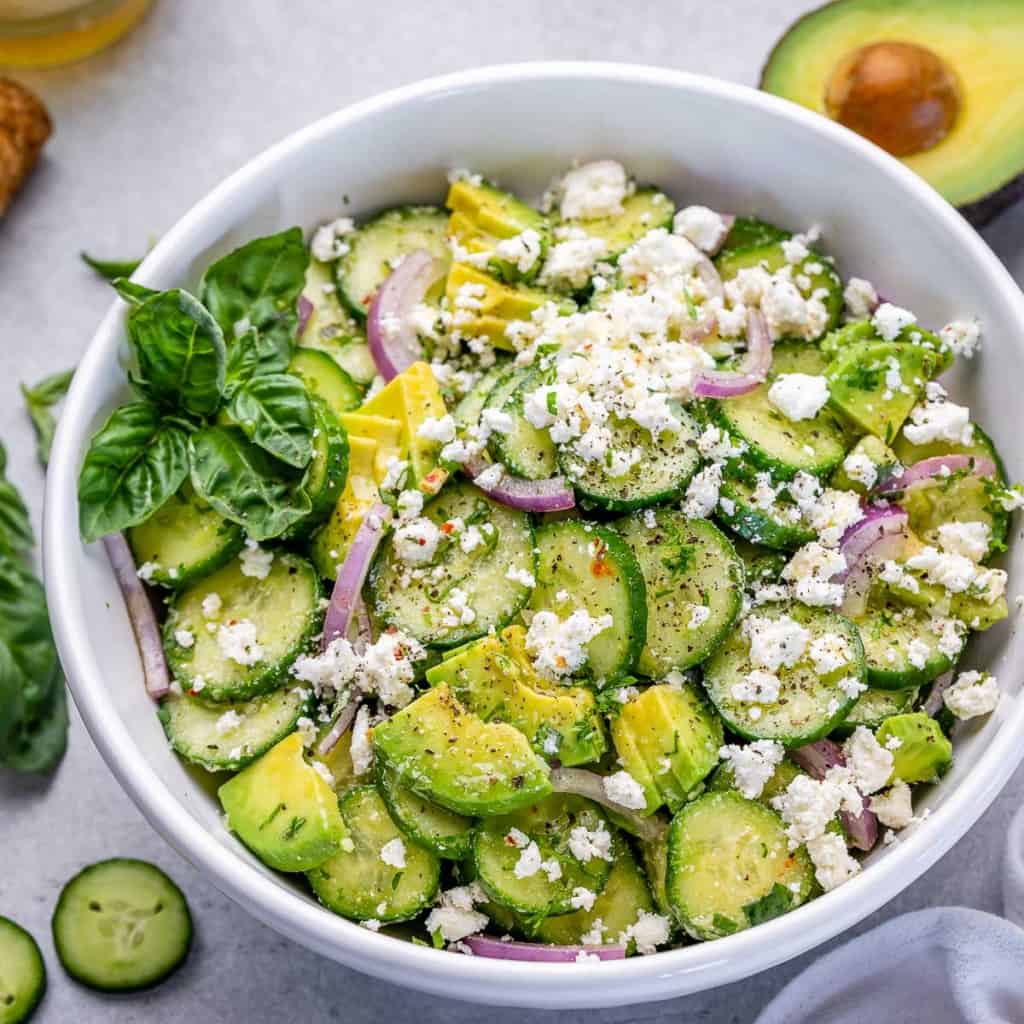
(15, 529)
(135, 462)
(774, 903)
(257, 353)
(39, 400)
(274, 411)
(39, 741)
(110, 270)
(245, 484)
(180, 350)
(132, 293)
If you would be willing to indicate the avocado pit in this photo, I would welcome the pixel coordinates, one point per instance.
(903, 97)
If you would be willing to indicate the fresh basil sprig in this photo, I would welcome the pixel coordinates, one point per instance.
(275, 412)
(40, 400)
(110, 269)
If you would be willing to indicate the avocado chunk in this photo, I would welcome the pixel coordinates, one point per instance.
(958, 498)
(923, 753)
(494, 678)
(483, 215)
(439, 749)
(668, 740)
(881, 458)
(643, 211)
(935, 82)
(283, 810)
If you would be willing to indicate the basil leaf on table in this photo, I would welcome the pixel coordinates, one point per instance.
(39, 400)
(180, 351)
(135, 462)
(39, 741)
(245, 484)
(15, 529)
(274, 411)
(110, 270)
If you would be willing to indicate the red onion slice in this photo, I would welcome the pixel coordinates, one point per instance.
(305, 310)
(934, 703)
(580, 782)
(394, 345)
(141, 616)
(348, 584)
(752, 370)
(538, 952)
(341, 725)
(709, 276)
(937, 467)
(551, 495)
(880, 535)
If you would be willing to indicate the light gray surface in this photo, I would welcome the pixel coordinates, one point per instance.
(142, 133)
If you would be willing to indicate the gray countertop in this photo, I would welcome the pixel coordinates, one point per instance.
(142, 132)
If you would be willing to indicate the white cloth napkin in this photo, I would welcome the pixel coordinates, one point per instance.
(948, 965)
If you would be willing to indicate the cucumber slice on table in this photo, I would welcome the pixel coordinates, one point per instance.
(417, 599)
(597, 572)
(227, 737)
(500, 853)
(184, 539)
(526, 450)
(888, 632)
(324, 377)
(809, 705)
(425, 823)
(693, 580)
(22, 973)
(284, 609)
(358, 883)
(121, 925)
(730, 866)
(377, 245)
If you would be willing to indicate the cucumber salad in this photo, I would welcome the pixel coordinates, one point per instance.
(558, 582)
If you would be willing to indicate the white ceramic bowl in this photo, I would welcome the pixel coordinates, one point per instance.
(704, 141)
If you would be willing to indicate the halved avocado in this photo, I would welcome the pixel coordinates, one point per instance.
(937, 83)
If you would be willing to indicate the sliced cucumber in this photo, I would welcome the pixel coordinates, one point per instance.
(184, 539)
(418, 601)
(22, 973)
(981, 446)
(284, 608)
(662, 474)
(809, 706)
(779, 528)
(328, 469)
(121, 925)
(431, 826)
(227, 737)
(785, 772)
(325, 378)
(358, 883)
(499, 852)
(467, 412)
(888, 631)
(598, 572)
(730, 866)
(642, 212)
(377, 246)
(526, 450)
(874, 706)
(693, 580)
(748, 233)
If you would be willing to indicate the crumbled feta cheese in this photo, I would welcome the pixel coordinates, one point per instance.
(522, 250)
(869, 762)
(392, 853)
(594, 190)
(211, 605)
(702, 492)
(798, 396)
(455, 917)
(753, 765)
(833, 864)
(228, 721)
(395, 474)
(255, 561)
(962, 336)
(582, 899)
(361, 747)
(491, 477)
(860, 297)
(859, 468)
(703, 227)
(757, 687)
(573, 260)
(918, 652)
(329, 240)
(699, 614)
(624, 790)
(529, 860)
(437, 428)
(416, 541)
(954, 572)
(968, 539)
(648, 932)
(184, 638)
(409, 505)
(973, 694)
(558, 645)
(939, 421)
(238, 642)
(586, 844)
(890, 320)
(775, 642)
(146, 571)
(894, 808)
(521, 576)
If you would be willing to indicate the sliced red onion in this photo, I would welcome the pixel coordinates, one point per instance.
(580, 782)
(394, 345)
(752, 370)
(937, 467)
(348, 584)
(816, 759)
(934, 703)
(141, 616)
(305, 309)
(364, 628)
(341, 725)
(709, 276)
(550, 495)
(880, 535)
(538, 952)
(695, 331)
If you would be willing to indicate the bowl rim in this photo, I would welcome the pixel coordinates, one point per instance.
(637, 979)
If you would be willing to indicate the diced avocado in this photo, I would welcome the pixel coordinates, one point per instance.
(449, 755)
(339, 762)
(958, 498)
(283, 810)
(668, 739)
(411, 398)
(923, 752)
(876, 384)
(494, 678)
(878, 453)
(384, 431)
(483, 215)
(843, 338)
(935, 82)
(643, 211)
(785, 772)
(936, 600)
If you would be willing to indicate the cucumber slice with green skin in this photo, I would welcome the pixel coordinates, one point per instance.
(782, 446)
(526, 450)
(772, 529)
(357, 883)
(22, 973)
(809, 706)
(874, 706)
(642, 212)
(730, 866)
(750, 233)
(785, 772)
(284, 608)
(661, 475)
(467, 412)
(200, 733)
(121, 925)
(435, 828)
(595, 567)
(328, 469)
(981, 446)
(185, 539)
(693, 581)
(548, 823)
(415, 602)
(375, 247)
(887, 632)
(654, 857)
(326, 379)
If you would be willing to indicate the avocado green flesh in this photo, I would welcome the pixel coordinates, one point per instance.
(979, 166)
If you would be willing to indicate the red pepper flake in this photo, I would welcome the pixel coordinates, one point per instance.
(448, 527)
